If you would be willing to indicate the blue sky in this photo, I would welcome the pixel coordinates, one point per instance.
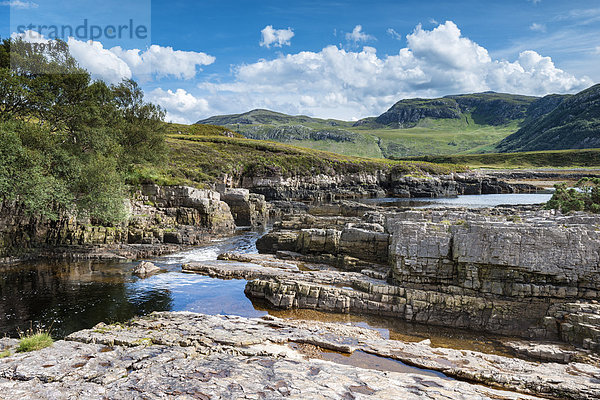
(342, 59)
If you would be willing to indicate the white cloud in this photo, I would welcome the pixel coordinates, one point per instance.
(115, 64)
(182, 107)
(338, 83)
(163, 61)
(535, 1)
(433, 21)
(276, 37)
(537, 27)
(100, 62)
(597, 49)
(20, 4)
(357, 35)
(392, 32)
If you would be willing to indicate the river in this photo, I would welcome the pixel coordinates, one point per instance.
(69, 296)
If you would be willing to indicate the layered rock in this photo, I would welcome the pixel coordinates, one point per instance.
(158, 217)
(326, 188)
(248, 209)
(198, 356)
(526, 273)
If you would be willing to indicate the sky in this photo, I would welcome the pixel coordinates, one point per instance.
(329, 59)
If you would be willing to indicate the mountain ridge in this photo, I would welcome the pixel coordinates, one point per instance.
(573, 124)
(453, 124)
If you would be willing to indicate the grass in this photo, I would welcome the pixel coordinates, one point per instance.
(429, 136)
(203, 160)
(5, 353)
(587, 158)
(34, 341)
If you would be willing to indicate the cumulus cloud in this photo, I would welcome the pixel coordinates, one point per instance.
(182, 107)
(115, 64)
(20, 4)
(338, 83)
(276, 37)
(537, 27)
(100, 62)
(163, 61)
(357, 35)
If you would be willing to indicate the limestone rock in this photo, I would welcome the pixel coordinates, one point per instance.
(190, 355)
(145, 268)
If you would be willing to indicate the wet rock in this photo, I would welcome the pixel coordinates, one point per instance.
(145, 268)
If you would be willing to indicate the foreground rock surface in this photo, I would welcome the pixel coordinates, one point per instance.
(186, 355)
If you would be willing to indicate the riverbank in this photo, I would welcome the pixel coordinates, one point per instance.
(198, 356)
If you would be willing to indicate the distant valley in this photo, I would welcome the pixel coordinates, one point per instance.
(460, 124)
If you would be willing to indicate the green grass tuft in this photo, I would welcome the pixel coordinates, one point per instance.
(34, 341)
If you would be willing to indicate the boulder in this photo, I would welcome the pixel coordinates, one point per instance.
(145, 268)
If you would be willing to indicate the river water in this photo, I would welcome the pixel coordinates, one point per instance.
(68, 296)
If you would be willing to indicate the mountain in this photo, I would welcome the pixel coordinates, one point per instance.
(264, 117)
(456, 124)
(573, 123)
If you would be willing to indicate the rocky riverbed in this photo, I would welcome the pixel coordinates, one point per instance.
(522, 272)
(518, 271)
(186, 355)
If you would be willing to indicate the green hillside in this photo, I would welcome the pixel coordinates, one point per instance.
(201, 160)
(573, 124)
(588, 158)
(413, 127)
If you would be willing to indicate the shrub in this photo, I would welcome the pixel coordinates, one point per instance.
(585, 196)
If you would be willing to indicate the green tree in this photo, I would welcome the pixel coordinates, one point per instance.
(67, 142)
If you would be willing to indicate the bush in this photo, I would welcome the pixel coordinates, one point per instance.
(585, 196)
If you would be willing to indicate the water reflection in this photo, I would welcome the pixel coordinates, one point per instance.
(473, 201)
(67, 297)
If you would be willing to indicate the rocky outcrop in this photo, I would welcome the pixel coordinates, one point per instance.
(328, 188)
(159, 216)
(363, 241)
(248, 209)
(144, 269)
(527, 273)
(198, 356)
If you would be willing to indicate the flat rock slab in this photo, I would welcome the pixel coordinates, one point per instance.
(187, 355)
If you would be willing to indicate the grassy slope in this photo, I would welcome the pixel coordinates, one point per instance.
(589, 158)
(574, 124)
(439, 136)
(430, 136)
(199, 160)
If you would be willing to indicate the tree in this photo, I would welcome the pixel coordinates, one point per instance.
(66, 141)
